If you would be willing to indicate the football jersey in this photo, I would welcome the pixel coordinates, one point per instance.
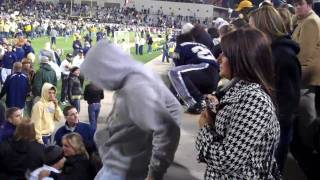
(193, 53)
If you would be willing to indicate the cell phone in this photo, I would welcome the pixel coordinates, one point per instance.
(211, 106)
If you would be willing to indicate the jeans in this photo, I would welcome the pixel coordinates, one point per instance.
(93, 111)
(165, 55)
(141, 49)
(149, 48)
(64, 88)
(53, 40)
(76, 104)
(192, 81)
(107, 173)
(137, 49)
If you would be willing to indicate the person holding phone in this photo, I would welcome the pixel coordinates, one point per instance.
(45, 112)
(239, 140)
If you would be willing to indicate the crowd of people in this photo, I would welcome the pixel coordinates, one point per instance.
(253, 79)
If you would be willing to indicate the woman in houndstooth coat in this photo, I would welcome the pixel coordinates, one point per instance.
(239, 140)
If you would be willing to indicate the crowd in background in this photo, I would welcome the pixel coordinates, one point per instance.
(253, 78)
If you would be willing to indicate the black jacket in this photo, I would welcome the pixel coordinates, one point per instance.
(74, 86)
(92, 94)
(16, 157)
(76, 167)
(288, 78)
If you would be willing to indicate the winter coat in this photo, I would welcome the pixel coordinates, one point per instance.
(83, 129)
(243, 139)
(16, 87)
(93, 94)
(74, 87)
(7, 130)
(16, 157)
(43, 75)
(75, 167)
(288, 78)
(8, 59)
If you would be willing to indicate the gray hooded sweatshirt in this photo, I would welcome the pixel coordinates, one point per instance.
(142, 132)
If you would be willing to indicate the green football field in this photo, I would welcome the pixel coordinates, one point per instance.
(66, 45)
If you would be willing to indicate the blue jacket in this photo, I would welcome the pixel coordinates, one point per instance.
(85, 50)
(76, 45)
(28, 49)
(6, 131)
(194, 53)
(16, 87)
(99, 35)
(8, 59)
(83, 129)
(20, 53)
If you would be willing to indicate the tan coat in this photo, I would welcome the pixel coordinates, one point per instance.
(307, 35)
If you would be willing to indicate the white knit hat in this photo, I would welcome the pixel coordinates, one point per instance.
(186, 28)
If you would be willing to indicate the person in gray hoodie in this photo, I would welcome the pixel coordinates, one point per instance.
(142, 132)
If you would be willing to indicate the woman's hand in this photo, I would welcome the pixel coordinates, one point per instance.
(205, 119)
(208, 116)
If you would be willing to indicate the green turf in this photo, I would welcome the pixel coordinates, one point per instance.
(66, 45)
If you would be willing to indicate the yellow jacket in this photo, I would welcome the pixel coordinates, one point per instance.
(44, 113)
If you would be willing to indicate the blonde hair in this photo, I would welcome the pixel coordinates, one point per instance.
(268, 20)
(286, 17)
(76, 142)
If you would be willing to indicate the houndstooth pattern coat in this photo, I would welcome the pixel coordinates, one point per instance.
(242, 142)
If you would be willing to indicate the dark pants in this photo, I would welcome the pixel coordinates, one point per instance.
(149, 48)
(165, 55)
(308, 160)
(64, 88)
(53, 40)
(192, 81)
(137, 49)
(28, 107)
(303, 145)
(81, 78)
(141, 49)
(283, 146)
(76, 104)
(93, 111)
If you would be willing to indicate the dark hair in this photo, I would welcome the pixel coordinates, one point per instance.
(239, 23)
(249, 54)
(73, 69)
(310, 2)
(25, 131)
(53, 88)
(200, 35)
(10, 111)
(213, 32)
(66, 110)
(184, 38)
